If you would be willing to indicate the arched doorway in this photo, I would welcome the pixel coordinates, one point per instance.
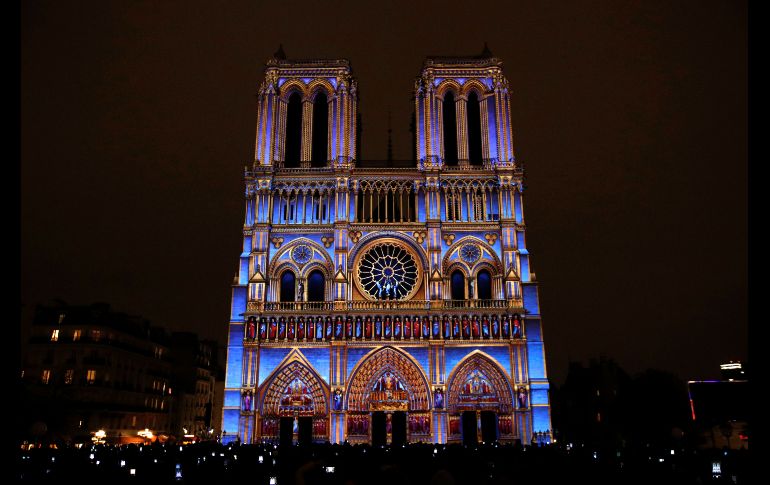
(388, 395)
(480, 401)
(294, 405)
(315, 286)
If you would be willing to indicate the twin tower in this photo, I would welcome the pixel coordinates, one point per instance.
(384, 305)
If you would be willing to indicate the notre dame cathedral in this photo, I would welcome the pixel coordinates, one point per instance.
(385, 305)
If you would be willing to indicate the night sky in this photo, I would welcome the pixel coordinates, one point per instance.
(137, 119)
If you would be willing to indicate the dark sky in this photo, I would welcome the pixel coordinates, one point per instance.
(631, 117)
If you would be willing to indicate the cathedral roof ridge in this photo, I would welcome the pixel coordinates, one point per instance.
(312, 63)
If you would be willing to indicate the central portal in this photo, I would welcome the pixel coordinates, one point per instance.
(388, 427)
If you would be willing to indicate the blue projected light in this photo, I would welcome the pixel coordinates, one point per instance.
(327, 344)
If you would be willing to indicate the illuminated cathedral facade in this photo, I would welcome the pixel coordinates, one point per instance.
(385, 305)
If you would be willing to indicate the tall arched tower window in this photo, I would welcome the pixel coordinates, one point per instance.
(315, 286)
(450, 129)
(484, 285)
(288, 286)
(293, 131)
(458, 285)
(320, 146)
(474, 129)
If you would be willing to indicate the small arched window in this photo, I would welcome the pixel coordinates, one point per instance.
(293, 131)
(473, 111)
(458, 285)
(484, 285)
(450, 129)
(320, 131)
(315, 286)
(288, 286)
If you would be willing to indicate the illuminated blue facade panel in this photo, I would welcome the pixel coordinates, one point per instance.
(530, 299)
(230, 424)
(541, 419)
(269, 358)
(532, 329)
(234, 376)
(243, 274)
(355, 354)
(319, 358)
(236, 334)
(539, 396)
(536, 360)
(232, 398)
(239, 304)
(420, 354)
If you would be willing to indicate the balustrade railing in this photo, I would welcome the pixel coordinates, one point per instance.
(380, 305)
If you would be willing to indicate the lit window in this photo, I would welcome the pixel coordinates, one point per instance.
(68, 376)
(55, 335)
(91, 376)
(46, 376)
(76, 335)
(96, 335)
(61, 318)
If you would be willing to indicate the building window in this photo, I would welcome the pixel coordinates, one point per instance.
(91, 376)
(450, 129)
(293, 142)
(55, 335)
(61, 318)
(96, 335)
(315, 284)
(46, 376)
(76, 335)
(320, 138)
(68, 376)
(287, 286)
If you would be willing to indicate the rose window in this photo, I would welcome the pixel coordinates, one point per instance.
(470, 253)
(301, 254)
(387, 271)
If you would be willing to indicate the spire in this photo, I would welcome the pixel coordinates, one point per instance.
(279, 54)
(486, 52)
(390, 142)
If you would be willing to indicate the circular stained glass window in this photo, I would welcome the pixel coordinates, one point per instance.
(301, 254)
(470, 253)
(387, 271)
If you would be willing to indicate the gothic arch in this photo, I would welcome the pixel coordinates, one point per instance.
(320, 84)
(387, 359)
(474, 85)
(448, 84)
(487, 368)
(490, 257)
(272, 393)
(291, 86)
(484, 265)
(458, 265)
(325, 262)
